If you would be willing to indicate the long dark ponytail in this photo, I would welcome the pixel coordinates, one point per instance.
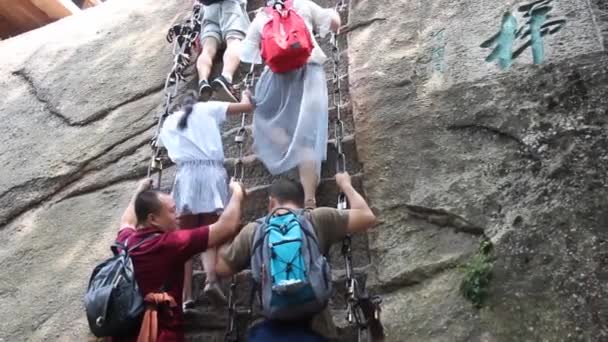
(187, 105)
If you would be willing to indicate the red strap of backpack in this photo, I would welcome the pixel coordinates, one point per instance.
(276, 21)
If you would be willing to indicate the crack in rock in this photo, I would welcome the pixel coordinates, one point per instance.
(444, 218)
(97, 116)
(355, 26)
(137, 173)
(34, 91)
(57, 183)
(417, 275)
(529, 152)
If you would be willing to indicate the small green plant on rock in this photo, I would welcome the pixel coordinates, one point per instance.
(478, 274)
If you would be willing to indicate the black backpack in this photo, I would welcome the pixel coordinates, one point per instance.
(113, 302)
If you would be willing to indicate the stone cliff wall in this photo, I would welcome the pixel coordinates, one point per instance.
(445, 144)
(519, 152)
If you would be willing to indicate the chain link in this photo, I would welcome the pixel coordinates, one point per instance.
(337, 104)
(183, 38)
(241, 134)
(232, 334)
(359, 303)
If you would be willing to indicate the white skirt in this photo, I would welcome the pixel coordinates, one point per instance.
(200, 187)
(290, 119)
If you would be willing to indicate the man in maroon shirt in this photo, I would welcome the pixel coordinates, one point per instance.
(159, 262)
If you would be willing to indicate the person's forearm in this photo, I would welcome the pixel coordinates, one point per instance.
(360, 217)
(336, 22)
(227, 224)
(231, 216)
(355, 200)
(128, 217)
(238, 108)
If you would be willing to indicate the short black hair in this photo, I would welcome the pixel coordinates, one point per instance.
(287, 190)
(146, 203)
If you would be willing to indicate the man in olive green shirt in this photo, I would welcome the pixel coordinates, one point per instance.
(331, 226)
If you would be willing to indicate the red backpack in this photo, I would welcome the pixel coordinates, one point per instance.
(286, 41)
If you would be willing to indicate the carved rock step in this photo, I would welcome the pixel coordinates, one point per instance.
(205, 336)
(327, 193)
(256, 173)
(232, 126)
(207, 317)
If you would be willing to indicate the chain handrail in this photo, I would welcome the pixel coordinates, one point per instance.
(231, 334)
(183, 38)
(362, 310)
(241, 134)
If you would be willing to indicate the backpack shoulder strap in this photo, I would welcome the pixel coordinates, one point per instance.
(305, 218)
(258, 235)
(144, 240)
(116, 246)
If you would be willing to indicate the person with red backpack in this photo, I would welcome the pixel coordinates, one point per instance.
(291, 117)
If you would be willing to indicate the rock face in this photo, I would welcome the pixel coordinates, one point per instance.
(445, 145)
(518, 152)
(79, 99)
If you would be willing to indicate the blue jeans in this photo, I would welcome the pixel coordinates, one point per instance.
(275, 331)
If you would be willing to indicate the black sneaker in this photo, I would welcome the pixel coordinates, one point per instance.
(223, 90)
(204, 90)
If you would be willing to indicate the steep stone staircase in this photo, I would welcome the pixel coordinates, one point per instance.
(209, 323)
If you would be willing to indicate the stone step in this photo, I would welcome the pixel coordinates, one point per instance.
(205, 336)
(256, 173)
(327, 193)
(233, 122)
(207, 317)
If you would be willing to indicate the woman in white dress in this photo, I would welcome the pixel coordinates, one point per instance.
(291, 117)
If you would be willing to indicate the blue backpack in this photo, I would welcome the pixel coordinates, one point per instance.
(291, 273)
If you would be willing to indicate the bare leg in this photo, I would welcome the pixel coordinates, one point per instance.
(309, 179)
(209, 259)
(205, 59)
(232, 58)
(186, 222)
(187, 281)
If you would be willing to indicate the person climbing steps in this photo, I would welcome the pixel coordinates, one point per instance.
(193, 141)
(224, 22)
(327, 226)
(291, 116)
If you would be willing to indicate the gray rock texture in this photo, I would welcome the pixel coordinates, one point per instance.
(447, 148)
(519, 153)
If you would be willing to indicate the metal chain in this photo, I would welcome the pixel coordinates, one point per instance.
(234, 312)
(362, 310)
(337, 103)
(342, 204)
(241, 134)
(183, 38)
